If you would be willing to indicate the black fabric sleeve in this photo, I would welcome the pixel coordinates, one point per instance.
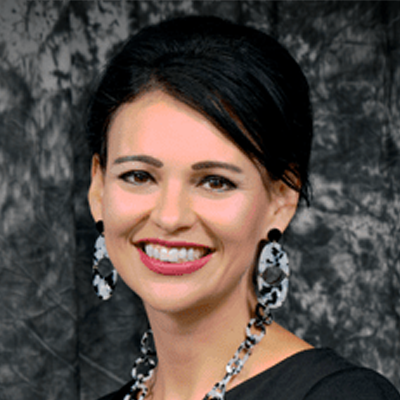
(108, 397)
(120, 394)
(317, 374)
(353, 384)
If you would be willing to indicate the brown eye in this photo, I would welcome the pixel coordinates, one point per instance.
(217, 183)
(137, 177)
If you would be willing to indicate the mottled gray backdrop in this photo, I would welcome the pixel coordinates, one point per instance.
(57, 341)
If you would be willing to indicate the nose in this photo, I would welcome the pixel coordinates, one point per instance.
(173, 211)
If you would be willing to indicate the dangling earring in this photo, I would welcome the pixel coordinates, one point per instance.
(272, 272)
(103, 285)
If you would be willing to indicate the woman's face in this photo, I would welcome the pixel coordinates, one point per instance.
(183, 208)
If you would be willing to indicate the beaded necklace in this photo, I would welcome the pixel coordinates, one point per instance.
(148, 359)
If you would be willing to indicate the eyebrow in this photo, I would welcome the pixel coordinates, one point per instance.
(142, 158)
(198, 166)
(216, 164)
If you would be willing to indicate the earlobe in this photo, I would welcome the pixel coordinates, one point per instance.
(95, 195)
(286, 202)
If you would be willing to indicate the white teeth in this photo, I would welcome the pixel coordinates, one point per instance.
(164, 254)
(182, 254)
(149, 250)
(173, 255)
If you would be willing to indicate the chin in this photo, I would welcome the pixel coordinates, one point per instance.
(173, 298)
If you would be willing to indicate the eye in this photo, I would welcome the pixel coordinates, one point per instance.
(217, 183)
(137, 177)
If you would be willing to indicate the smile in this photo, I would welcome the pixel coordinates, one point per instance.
(175, 254)
(174, 258)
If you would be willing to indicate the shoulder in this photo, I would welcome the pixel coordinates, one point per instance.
(353, 384)
(120, 394)
(314, 375)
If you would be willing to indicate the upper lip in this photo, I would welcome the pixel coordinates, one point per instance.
(166, 243)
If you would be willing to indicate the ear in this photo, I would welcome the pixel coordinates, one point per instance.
(285, 200)
(95, 195)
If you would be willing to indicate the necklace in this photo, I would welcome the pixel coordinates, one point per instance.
(143, 368)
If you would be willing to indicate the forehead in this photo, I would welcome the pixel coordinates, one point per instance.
(161, 125)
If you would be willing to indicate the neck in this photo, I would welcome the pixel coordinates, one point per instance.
(194, 346)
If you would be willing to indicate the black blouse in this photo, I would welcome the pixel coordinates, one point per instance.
(316, 374)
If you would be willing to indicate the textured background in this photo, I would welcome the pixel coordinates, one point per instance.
(57, 341)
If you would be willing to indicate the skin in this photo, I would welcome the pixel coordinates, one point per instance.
(176, 196)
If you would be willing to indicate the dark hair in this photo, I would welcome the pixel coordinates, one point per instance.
(239, 78)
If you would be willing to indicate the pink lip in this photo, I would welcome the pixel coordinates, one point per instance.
(170, 244)
(166, 268)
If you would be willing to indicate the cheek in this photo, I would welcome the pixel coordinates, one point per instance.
(122, 210)
(237, 219)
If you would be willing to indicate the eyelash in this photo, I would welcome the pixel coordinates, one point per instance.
(144, 177)
(131, 176)
(228, 185)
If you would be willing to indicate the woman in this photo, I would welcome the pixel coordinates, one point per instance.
(201, 133)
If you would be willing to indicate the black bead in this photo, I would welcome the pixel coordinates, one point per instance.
(274, 235)
(100, 226)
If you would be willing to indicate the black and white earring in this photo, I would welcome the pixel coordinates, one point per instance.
(272, 272)
(103, 285)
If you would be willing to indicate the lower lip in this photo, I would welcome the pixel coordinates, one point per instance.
(166, 268)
